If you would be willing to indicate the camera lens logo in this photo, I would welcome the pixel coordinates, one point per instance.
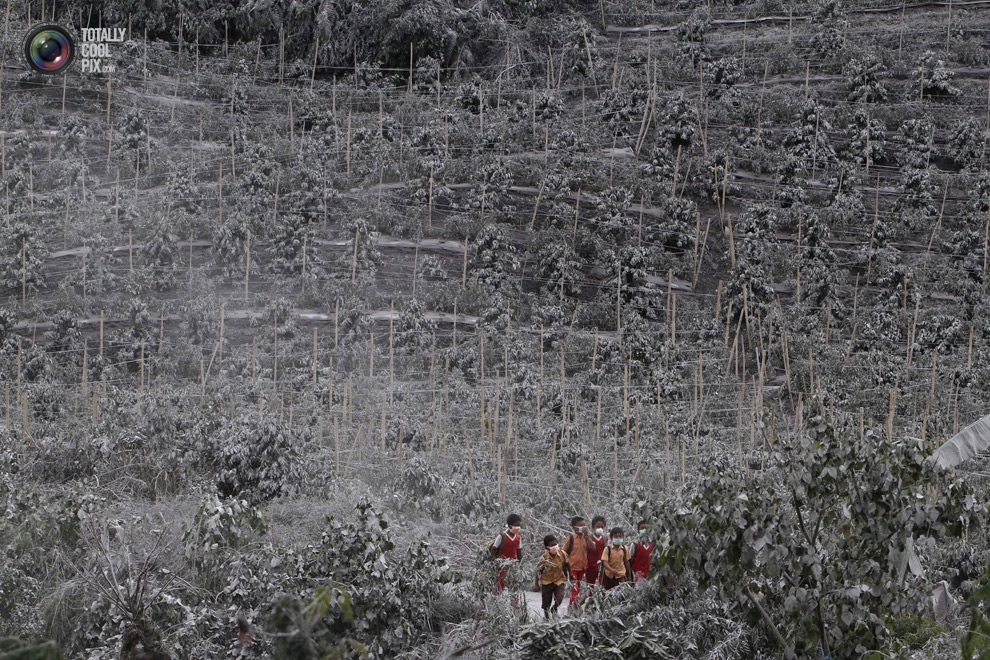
(49, 48)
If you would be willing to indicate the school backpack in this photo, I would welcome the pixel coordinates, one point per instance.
(608, 550)
(495, 546)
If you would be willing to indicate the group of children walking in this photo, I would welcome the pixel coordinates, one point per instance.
(588, 558)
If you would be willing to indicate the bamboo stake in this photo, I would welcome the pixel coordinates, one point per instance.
(315, 362)
(247, 264)
(587, 485)
(666, 445)
(639, 457)
(482, 418)
(371, 356)
(509, 438)
(852, 340)
(391, 347)
(493, 427)
(554, 442)
(911, 337)
(350, 399)
(384, 404)
(787, 359)
(504, 477)
(890, 411)
(732, 241)
(23, 272)
(569, 417)
(598, 418)
(625, 399)
(348, 149)
(360, 445)
(96, 409)
(357, 233)
(969, 353)
(673, 320)
(536, 208)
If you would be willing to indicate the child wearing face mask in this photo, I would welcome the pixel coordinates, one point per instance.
(641, 553)
(599, 540)
(553, 571)
(578, 546)
(615, 561)
(507, 547)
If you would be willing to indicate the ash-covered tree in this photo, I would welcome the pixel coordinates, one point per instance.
(133, 145)
(692, 39)
(719, 76)
(823, 551)
(258, 178)
(414, 332)
(393, 597)
(292, 245)
(490, 197)
(229, 244)
(256, 457)
(749, 288)
(160, 252)
(867, 139)
(916, 207)
(966, 143)
(22, 258)
(808, 140)
(934, 79)
(559, 270)
(621, 109)
(817, 261)
(677, 126)
(917, 139)
(829, 25)
(864, 76)
(494, 263)
(64, 336)
(362, 258)
(610, 216)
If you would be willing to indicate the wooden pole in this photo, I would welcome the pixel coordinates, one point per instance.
(371, 356)
(891, 407)
(598, 419)
(391, 346)
(587, 486)
(384, 405)
(315, 359)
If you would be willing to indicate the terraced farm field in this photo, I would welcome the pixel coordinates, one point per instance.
(299, 303)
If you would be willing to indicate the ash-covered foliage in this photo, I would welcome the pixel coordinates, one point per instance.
(303, 301)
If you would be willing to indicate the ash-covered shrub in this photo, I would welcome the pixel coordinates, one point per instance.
(255, 457)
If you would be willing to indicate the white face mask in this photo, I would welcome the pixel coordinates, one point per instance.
(514, 530)
(580, 530)
(599, 531)
(553, 549)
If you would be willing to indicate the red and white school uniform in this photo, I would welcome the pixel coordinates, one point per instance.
(642, 555)
(508, 548)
